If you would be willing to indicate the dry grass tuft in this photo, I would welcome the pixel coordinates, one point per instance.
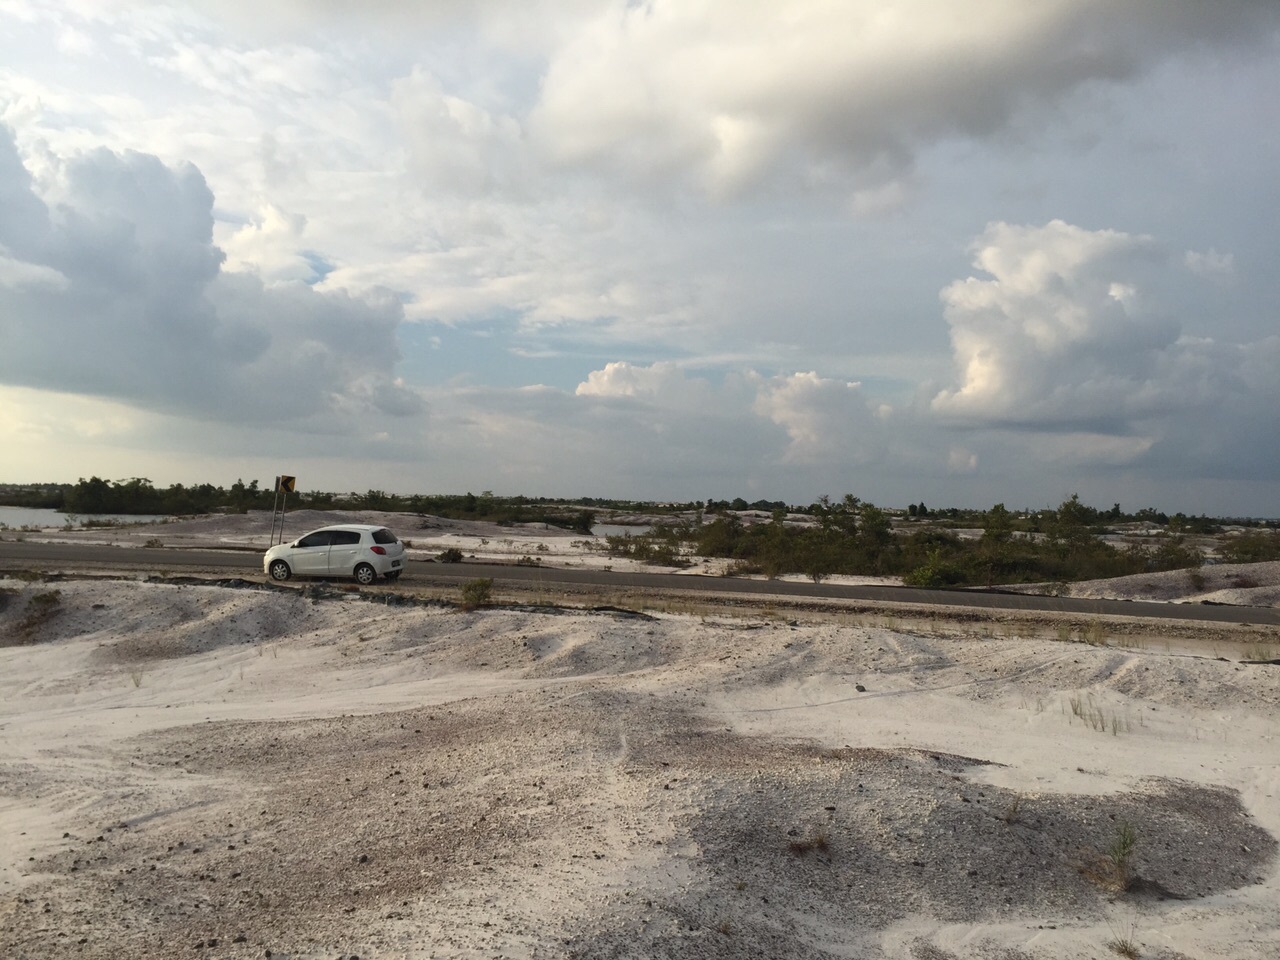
(1112, 868)
(817, 842)
(1095, 634)
(1126, 945)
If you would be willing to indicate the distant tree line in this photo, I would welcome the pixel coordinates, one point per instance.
(840, 537)
(138, 496)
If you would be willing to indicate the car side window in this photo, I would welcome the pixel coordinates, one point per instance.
(321, 538)
(345, 537)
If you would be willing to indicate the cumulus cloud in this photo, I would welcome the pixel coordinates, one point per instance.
(662, 384)
(1058, 335)
(118, 291)
(272, 246)
(1062, 342)
(827, 420)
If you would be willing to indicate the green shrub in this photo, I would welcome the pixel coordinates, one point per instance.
(1252, 547)
(451, 555)
(476, 593)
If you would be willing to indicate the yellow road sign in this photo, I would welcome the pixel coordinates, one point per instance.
(286, 484)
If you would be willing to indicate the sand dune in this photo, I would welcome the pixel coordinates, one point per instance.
(191, 769)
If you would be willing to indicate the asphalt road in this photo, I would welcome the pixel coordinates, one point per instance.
(52, 556)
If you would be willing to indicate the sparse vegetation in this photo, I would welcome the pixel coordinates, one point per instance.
(1013, 812)
(1254, 546)
(41, 608)
(476, 593)
(1112, 869)
(1095, 634)
(815, 842)
(450, 555)
(1087, 709)
(1126, 945)
(854, 537)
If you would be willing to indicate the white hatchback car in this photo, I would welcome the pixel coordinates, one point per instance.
(355, 550)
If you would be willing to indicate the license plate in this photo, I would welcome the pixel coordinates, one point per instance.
(395, 563)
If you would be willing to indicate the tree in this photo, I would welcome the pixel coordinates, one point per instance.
(584, 521)
(89, 496)
(999, 525)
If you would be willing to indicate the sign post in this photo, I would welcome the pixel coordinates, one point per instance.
(284, 486)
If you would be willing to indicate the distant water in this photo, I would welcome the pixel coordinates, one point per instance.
(15, 518)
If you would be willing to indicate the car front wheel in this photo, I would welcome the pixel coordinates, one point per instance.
(280, 570)
(365, 574)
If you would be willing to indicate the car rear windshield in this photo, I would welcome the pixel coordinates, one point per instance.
(384, 536)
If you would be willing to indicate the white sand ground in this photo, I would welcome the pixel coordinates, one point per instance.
(193, 770)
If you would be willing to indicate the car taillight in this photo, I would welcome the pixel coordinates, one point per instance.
(380, 551)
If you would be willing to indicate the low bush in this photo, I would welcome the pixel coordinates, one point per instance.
(451, 555)
(476, 593)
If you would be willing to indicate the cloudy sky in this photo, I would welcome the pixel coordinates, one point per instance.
(906, 249)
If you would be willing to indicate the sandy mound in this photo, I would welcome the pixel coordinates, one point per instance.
(1240, 584)
(207, 771)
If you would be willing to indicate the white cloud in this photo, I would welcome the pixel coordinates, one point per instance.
(1210, 263)
(827, 420)
(140, 310)
(960, 460)
(270, 245)
(456, 145)
(1060, 345)
(662, 384)
(19, 273)
(1058, 334)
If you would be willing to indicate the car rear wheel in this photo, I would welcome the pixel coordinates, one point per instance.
(280, 570)
(365, 574)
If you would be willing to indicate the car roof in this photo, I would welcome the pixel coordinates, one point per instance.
(362, 527)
